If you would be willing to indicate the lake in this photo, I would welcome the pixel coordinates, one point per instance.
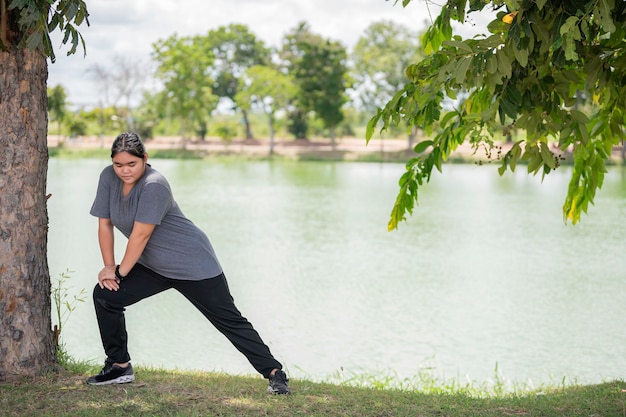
(485, 273)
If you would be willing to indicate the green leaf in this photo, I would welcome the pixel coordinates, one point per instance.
(512, 4)
(516, 152)
(570, 49)
(422, 146)
(17, 4)
(604, 9)
(535, 163)
(371, 126)
(462, 68)
(492, 64)
(521, 55)
(504, 64)
(540, 4)
(459, 45)
(546, 155)
(34, 41)
(579, 116)
(568, 26)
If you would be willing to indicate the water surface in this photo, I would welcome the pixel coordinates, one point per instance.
(485, 273)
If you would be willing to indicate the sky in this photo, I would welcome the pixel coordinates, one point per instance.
(128, 28)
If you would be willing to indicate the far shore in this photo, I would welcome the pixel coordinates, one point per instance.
(346, 148)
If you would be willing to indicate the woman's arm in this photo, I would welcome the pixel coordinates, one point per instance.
(136, 244)
(106, 239)
(106, 276)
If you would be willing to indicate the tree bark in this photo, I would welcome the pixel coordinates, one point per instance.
(246, 122)
(26, 342)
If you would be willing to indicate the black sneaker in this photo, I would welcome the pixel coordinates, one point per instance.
(278, 383)
(112, 374)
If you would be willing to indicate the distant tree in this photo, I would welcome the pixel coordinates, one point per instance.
(319, 68)
(379, 60)
(298, 123)
(235, 49)
(530, 72)
(149, 113)
(120, 82)
(57, 105)
(77, 125)
(183, 65)
(26, 342)
(269, 89)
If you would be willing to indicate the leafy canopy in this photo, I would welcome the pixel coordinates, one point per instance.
(34, 20)
(319, 69)
(379, 59)
(235, 49)
(183, 65)
(555, 70)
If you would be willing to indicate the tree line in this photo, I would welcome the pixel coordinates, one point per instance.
(308, 83)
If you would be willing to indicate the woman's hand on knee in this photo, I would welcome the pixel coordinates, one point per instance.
(107, 279)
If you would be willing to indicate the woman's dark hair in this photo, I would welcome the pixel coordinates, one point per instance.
(128, 142)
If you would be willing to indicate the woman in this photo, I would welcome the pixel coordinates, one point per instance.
(164, 250)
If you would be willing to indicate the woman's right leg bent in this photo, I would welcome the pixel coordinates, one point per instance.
(140, 283)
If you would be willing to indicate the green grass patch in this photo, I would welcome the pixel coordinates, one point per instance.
(76, 153)
(172, 393)
(105, 153)
(174, 154)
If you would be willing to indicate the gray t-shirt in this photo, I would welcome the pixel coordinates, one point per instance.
(177, 249)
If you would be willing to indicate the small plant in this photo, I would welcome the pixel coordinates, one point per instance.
(226, 131)
(64, 305)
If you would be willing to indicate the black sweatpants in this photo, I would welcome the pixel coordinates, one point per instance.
(210, 296)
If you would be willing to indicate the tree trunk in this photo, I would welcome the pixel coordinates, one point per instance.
(247, 123)
(412, 136)
(26, 342)
(271, 123)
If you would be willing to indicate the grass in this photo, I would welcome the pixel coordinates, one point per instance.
(159, 392)
(76, 153)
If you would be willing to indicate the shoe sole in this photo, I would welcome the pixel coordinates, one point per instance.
(124, 379)
(276, 392)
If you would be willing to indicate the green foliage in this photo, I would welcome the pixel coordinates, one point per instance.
(57, 105)
(319, 69)
(226, 131)
(379, 59)
(36, 19)
(183, 64)
(539, 63)
(269, 89)
(77, 126)
(298, 124)
(235, 49)
(57, 102)
(231, 63)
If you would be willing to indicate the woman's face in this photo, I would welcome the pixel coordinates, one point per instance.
(129, 168)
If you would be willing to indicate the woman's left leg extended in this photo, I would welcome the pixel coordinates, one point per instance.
(212, 297)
